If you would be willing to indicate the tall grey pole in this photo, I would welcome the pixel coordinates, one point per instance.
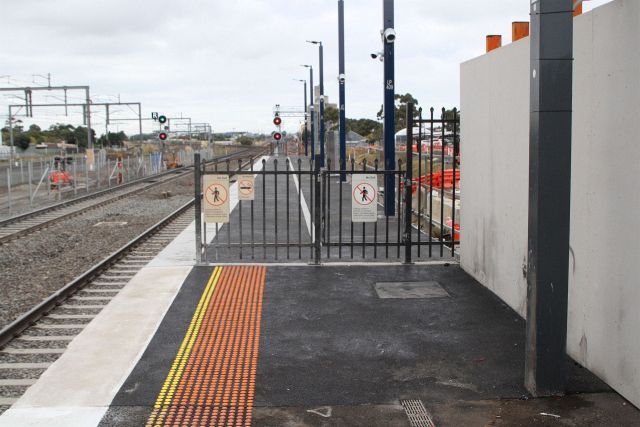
(140, 120)
(342, 93)
(88, 111)
(389, 111)
(322, 129)
(549, 195)
(11, 137)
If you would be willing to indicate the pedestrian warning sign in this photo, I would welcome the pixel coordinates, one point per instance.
(364, 198)
(216, 199)
(246, 187)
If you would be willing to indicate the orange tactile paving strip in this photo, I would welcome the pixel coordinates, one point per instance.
(212, 379)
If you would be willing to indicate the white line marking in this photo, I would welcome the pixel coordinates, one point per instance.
(303, 202)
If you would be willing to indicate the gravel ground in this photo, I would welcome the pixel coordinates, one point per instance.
(39, 264)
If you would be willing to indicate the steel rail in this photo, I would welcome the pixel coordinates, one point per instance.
(15, 328)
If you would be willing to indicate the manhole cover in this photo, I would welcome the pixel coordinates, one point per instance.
(410, 290)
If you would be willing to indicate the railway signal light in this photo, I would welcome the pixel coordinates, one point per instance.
(162, 119)
(277, 121)
(163, 136)
(277, 136)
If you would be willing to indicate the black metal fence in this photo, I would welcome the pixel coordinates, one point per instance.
(302, 212)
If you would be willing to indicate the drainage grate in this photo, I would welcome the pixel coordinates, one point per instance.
(417, 413)
(410, 290)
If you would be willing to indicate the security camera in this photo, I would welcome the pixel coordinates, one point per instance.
(378, 55)
(342, 78)
(389, 35)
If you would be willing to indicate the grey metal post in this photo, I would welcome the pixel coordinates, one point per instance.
(86, 175)
(342, 93)
(75, 177)
(549, 195)
(408, 184)
(140, 121)
(198, 206)
(30, 172)
(21, 172)
(389, 111)
(317, 230)
(108, 173)
(88, 112)
(9, 189)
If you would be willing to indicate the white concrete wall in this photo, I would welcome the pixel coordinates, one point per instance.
(604, 281)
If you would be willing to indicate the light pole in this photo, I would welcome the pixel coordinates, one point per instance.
(342, 93)
(306, 144)
(312, 114)
(321, 72)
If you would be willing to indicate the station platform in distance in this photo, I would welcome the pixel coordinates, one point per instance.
(264, 343)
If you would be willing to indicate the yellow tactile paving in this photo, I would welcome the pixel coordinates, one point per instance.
(211, 381)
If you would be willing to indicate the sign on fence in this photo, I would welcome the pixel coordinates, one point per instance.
(364, 198)
(216, 198)
(246, 187)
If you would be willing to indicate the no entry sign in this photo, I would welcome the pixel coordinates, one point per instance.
(216, 198)
(364, 198)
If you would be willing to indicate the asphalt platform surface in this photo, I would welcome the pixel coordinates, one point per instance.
(346, 345)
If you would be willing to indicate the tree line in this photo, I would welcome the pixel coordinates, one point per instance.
(60, 133)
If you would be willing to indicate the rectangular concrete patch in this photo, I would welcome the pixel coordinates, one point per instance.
(410, 290)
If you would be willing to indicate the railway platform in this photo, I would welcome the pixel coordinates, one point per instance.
(269, 342)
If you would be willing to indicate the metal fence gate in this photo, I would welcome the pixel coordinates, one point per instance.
(301, 212)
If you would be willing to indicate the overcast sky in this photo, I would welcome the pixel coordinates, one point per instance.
(229, 62)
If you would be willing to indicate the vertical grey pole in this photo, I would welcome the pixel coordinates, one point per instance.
(97, 162)
(86, 175)
(140, 121)
(342, 93)
(389, 111)
(88, 118)
(408, 184)
(75, 177)
(10, 136)
(108, 173)
(21, 172)
(9, 189)
(549, 195)
(198, 206)
(30, 172)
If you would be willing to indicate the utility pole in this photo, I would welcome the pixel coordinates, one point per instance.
(388, 40)
(342, 93)
(549, 195)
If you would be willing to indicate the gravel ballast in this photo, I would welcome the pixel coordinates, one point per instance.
(37, 265)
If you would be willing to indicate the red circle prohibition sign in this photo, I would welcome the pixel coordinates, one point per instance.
(216, 195)
(364, 194)
(246, 187)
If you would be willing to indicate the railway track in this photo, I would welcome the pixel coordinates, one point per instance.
(22, 225)
(31, 343)
(35, 340)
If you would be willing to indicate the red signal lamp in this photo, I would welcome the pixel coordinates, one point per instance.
(277, 136)
(163, 136)
(277, 121)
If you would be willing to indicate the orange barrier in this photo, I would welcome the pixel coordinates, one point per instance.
(435, 180)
